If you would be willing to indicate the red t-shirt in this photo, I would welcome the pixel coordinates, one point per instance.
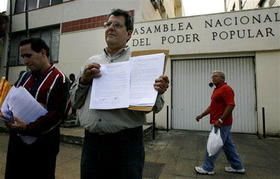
(222, 96)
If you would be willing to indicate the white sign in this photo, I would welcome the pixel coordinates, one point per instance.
(250, 30)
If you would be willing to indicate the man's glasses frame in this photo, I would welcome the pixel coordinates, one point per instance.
(116, 25)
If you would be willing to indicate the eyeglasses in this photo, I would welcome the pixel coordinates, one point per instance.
(116, 25)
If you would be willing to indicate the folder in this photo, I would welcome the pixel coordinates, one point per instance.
(5, 87)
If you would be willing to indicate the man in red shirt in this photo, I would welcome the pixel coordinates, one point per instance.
(220, 109)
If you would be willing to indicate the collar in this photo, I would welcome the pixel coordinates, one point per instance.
(37, 74)
(220, 85)
(117, 55)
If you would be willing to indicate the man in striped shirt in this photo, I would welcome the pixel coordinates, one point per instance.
(50, 88)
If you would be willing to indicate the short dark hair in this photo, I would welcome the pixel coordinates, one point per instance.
(37, 45)
(72, 75)
(129, 22)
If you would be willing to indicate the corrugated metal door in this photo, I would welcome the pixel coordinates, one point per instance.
(191, 93)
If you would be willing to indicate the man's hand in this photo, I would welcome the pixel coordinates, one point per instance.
(161, 84)
(91, 71)
(217, 124)
(198, 117)
(17, 125)
(4, 119)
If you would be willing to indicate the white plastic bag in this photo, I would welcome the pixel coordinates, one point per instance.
(214, 142)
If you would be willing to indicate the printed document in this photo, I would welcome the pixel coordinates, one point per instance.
(127, 83)
(111, 90)
(145, 69)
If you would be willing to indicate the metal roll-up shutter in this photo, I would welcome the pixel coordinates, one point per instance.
(191, 93)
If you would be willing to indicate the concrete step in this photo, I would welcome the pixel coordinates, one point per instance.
(75, 135)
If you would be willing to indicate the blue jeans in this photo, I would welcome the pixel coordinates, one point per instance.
(229, 150)
(118, 155)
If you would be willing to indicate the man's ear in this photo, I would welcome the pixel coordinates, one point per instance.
(129, 34)
(44, 52)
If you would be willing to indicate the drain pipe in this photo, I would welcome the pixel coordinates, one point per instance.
(26, 20)
(263, 116)
(9, 40)
(167, 118)
(154, 125)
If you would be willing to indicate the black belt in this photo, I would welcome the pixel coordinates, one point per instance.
(122, 132)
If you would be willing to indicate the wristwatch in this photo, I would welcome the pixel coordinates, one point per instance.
(220, 120)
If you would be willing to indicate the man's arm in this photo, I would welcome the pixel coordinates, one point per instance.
(161, 85)
(84, 81)
(200, 116)
(158, 104)
(227, 112)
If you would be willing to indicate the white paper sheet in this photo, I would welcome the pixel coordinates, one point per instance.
(23, 106)
(145, 70)
(111, 90)
(127, 83)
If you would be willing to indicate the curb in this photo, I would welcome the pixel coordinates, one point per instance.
(78, 140)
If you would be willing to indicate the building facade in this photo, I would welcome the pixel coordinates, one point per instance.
(3, 34)
(244, 44)
(49, 19)
(236, 5)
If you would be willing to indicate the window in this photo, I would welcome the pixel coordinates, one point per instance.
(50, 35)
(44, 3)
(54, 2)
(34, 4)
(19, 6)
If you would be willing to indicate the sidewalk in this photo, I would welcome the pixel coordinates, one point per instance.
(173, 155)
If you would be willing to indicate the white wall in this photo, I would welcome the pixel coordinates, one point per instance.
(231, 3)
(268, 90)
(72, 10)
(77, 47)
(276, 3)
(251, 4)
(148, 12)
(169, 11)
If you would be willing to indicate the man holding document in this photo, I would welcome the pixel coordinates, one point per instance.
(34, 143)
(113, 144)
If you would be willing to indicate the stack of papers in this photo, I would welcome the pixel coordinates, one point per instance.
(21, 104)
(128, 83)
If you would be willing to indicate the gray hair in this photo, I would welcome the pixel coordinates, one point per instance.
(222, 74)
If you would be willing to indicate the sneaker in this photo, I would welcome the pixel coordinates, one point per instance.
(232, 170)
(200, 170)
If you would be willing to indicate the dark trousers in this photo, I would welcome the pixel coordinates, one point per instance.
(118, 155)
(35, 161)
